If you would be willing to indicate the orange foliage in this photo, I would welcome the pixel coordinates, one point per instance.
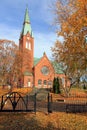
(72, 52)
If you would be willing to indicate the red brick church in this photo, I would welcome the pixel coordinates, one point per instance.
(38, 72)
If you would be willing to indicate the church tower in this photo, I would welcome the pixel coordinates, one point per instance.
(26, 45)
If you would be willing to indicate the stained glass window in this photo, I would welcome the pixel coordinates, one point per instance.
(45, 70)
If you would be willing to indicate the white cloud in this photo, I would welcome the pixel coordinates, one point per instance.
(10, 33)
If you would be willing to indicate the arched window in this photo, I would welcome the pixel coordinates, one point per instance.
(29, 83)
(39, 81)
(45, 82)
(28, 45)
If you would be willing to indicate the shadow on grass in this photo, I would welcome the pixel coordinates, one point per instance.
(20, 121)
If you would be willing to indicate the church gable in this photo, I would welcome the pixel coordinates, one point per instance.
(43, 72)
(43, 62)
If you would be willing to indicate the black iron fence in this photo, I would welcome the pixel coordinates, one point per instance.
(70, 105)
(76, 105)
(38, 102)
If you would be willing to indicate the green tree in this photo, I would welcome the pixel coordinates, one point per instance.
(56, 86)
(54, 83)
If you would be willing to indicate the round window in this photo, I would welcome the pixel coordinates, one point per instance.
(45, 70)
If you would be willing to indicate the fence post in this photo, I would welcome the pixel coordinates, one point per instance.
(49, 104)
(26, 102)
(35, 103)
(2, 103)
(14, 102)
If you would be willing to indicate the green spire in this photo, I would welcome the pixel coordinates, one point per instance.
(26, 25)
(26, 18)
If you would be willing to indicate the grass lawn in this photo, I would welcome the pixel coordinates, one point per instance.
(42, 121)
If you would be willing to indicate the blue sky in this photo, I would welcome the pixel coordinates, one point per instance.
(41, 17)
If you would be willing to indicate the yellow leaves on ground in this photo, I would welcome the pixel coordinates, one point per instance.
(43, 121)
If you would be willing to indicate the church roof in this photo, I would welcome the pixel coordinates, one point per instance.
(36, 60)
(26, 25)
(56, 66)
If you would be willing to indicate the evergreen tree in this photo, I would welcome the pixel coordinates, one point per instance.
(56, 86)
(84, 87)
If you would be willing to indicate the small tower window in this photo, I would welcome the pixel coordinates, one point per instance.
(28, 45)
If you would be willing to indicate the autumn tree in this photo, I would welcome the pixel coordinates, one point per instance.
(71, 53)
(16, 69)
(13, 63)
(10, 62)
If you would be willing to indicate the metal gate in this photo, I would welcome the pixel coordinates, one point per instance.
(15, 102)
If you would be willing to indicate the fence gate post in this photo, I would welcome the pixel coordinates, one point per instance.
(2, 103)
(35, 103)
(26, 102)
(49, 103)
